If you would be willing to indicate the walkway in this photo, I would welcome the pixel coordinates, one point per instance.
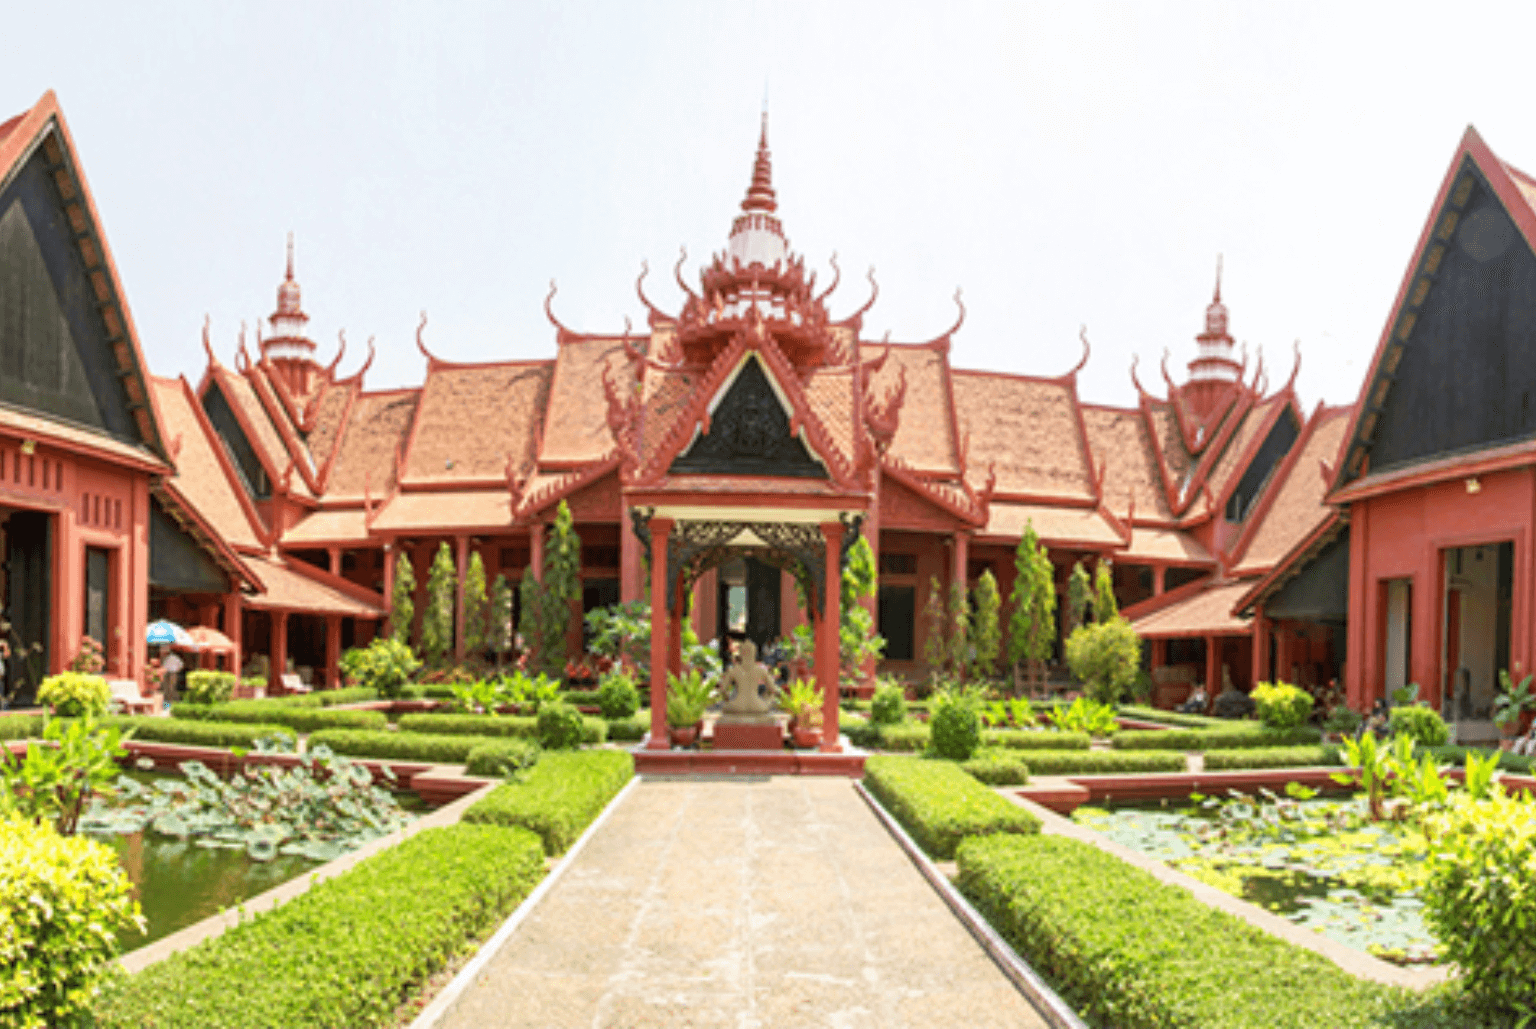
(744, 903)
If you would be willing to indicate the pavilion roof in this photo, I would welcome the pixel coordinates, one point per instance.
(295, 586)
(1206, 611)
(454, 510)
(1296, 503)
(200, 474)
(474, 419)
(1028, 430)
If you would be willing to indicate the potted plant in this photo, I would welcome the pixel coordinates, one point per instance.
(687, 697)
(1511, 708)
(803, 701)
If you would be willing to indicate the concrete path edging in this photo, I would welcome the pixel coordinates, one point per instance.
(1028, 982)
(449, 995)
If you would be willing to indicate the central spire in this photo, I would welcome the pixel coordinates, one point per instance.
(760, 196)
(757, 236)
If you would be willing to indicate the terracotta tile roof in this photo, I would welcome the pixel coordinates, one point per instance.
(1061, 525)
(725, 484)
(378, 426)
(78, 437)
(268, 443)
(1027, 429)
(465, 509)
(1228, 468)
(348, 525)
(575, 419)
(200, 478)
(665, 396)
(1164, 545)
(472, 417)
(1207, 612)
(925, 437)
(830, 396)
(1177, 462)
(326, 431)
(1122, 440)
(291, 589)
(1298, 506)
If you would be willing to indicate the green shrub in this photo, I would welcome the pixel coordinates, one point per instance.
(907, 736)
(1103, 762)
(1106, 657)
(1251, 735)
(148, 728)
(209, 687)
(63, 903)
(21, 727)
(348, 951)
(397, 746)
(1128, 951)
(939, 805)
(385, 665)
(302, 719)
(500, 759)
(1084, 715)
(889, 706)
(1047, 740)
(74, 694)
(560, 727)
(617, 697)
(1270, 757)
(1479, 899)
(861, 732)
(560, 797)
(1156, 714)
(594, 730)
(631, 729)
(324, 698)
(998, 768)
(584, 698)
(1458, 756)
(954, 728)
(1423, 724)
(1281, 705)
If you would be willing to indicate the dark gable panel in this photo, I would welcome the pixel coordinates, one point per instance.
(253, 476)
(1320, 593)
(1282, 436)
(179, 562)
(749, 435)
(54, 355)
(1467, 379)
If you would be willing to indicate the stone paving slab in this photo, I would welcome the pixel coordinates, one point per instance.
(744, 903)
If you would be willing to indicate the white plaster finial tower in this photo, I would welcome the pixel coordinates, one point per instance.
(1215, 360)
(757, 235)
(290, 351)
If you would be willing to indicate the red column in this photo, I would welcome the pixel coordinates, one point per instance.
(1213, 666)
(462, 545)
(1360, 622)
(962, 556)
(827, 656)
(232, 627)
(631, 579)
(660, 529)
(137, 621)
(333, 650)
(279, 656)
(1261, 630)
(334, 553)
(1159, 579)
(536, 550)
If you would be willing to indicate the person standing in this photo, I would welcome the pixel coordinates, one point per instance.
(170, 676)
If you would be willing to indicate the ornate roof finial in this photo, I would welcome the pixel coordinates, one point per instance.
(760, 195)
(290, 255)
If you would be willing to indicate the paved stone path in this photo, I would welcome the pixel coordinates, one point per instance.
(746, 903)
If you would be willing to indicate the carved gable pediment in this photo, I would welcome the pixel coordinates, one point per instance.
(748, 433)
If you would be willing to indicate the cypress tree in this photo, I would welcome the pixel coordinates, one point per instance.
(1032, 627)
(1079, 592)
(934, 650)
(499, 631)
(474, 607)
(959, 631)
(437, 619)
(402, 609)
(986, 634)
(1104, 607)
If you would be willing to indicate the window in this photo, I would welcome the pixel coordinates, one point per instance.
(97, 590)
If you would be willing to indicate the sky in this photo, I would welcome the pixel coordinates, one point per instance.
(1066, 166)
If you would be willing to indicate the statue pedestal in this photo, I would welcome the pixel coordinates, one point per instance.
(749, 732)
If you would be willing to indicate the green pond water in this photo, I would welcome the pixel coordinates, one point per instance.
(1328, 869)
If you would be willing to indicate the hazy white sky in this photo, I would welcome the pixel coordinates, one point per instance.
(1065, 165)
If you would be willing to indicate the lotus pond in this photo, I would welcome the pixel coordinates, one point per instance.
(194, 844)
(1322, 864)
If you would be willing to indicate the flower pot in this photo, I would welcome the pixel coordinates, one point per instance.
(685, 736)
(806, 737)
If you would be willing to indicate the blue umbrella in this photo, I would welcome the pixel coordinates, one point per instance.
(169, 633)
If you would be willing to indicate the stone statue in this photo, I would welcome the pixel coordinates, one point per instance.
(748, 687)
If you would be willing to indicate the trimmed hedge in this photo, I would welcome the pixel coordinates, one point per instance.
(198, 734)
(1143, 713)
(302, 719)
(1270, 757)
(594, 730)
(1016, 739)
(631, 729)
(998, 769)
(1128, 951)
(560, 797)
(1519, 763)
(1103, 762)
(501, 758)
(939, 804)
(397, 746)
(349, 951)
(907, 736)
(1213, 739)
(21, 727)
(582, 698)
(327, 698)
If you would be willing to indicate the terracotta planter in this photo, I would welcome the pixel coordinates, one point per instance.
(807, 737)
(685, 737)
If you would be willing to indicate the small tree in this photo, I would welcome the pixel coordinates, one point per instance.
(1104, 607)
(474, 607)
(935, 652)
(859, 642)
(402, 609)
(986, 636)
(437, 619)
(1032, 628)
(1079, 592)
(499, 630)
(530, 622)
(561, 588)
(1106, 657)
(959, 631)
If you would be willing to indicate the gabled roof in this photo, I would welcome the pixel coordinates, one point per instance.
(202, 475)
(1295, 502)
(925, 437)
(296, 586)
(575, 430)
(1121, 440)
(1204, 611)
(43, 128)
(1516, 193)
(1027, 430)
(472, 419)
(256, 424)
(370, 443)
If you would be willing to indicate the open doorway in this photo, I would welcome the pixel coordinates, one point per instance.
(1479, 588)
(748, 604)
(1397, 641)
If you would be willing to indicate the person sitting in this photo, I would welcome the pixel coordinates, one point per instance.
(1197, 701)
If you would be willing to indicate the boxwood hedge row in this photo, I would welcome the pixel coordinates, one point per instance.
(1103, 762)
(302, 719)
(1019, 739)
(940, 805)
(499, 758)
(1128, 951)
(349, 951)
(1143, 713)
(560, 797)
(1213, 739)
(1270, 757)
(21, 727)
(198, 734)
(595, 729)
(397, 746)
